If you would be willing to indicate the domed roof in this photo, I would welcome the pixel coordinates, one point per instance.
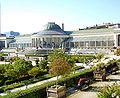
(50, 29)
(51, 26)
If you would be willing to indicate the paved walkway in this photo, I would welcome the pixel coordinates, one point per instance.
(35, 84)
(95, 87)
(83, 94)
(30, 85)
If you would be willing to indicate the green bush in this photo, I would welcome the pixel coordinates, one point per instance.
(3, 54)
(82, 58)
(2, 89)
(22, 83)
(110, 91)
(7, 82)
(38, 55)
(40, 91)
(2, 58)
(34, 92)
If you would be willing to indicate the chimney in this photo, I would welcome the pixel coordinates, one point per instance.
(63, 26)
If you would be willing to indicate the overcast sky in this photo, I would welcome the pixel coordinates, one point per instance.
(29, 16)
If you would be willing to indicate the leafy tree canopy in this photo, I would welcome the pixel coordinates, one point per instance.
(56, 53)
(59, 67)
(34, 71)
(43, 64)
(22, 66)
(2, 69)
(59, 53)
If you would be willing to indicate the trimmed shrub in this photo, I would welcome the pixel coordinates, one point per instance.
(40, 91)
(22, 83)
(38, 55)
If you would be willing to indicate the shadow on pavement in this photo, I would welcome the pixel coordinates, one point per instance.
(94, 89)
(71, 91)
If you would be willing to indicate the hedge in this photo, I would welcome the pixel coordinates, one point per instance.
(3, 54)
(40, 91)
(38, 55)
(22, 83)
(82, 58)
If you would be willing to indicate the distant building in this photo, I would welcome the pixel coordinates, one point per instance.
(21, 42)
(5, 41)
(52, 36)
(96, 39)
(12, 34)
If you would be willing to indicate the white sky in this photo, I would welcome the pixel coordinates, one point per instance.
(29, 16)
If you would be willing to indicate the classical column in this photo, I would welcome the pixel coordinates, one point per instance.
(95, 43)
(42, 42)
(116, 40)
(6, 43)
(36, 42)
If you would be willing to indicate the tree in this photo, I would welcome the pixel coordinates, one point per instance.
(59, 53)
(55, 54)
(9, 71)
(59, 67)
(72, 64)
(43, 64)
(2, 69)
(34, 71)
(21, 66)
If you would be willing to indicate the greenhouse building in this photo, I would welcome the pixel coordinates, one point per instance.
(90, 40)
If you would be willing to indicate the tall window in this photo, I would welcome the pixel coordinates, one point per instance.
(104, 43)
(72, 44)
(110, 43)
(98, 43)
(92, 43)
(76, 44)
(82, 44)
(2, 44)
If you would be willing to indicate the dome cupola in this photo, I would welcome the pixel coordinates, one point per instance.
(51, 26)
